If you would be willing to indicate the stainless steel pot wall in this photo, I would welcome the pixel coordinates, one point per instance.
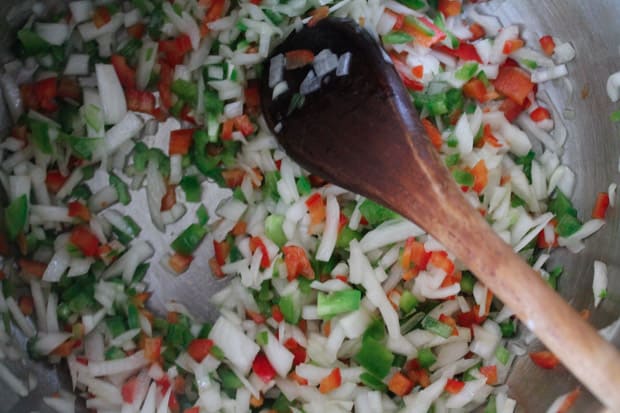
(592, 151)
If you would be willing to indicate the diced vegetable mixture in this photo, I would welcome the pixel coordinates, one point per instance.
(334, 303)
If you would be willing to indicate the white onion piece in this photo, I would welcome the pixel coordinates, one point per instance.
(112, 95)
(611, 192)
(310, 84)
(81, 10)
(146, 60)
(53, 33)
(12, 381)
(599, 282)
(613, 87)
(12, 96)
(330, 233)
(276, 70)
(237, 347)
(550, 73)
(46, 343)
(564, 53)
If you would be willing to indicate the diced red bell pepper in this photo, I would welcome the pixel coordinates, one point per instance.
(169, 199)
(216, 269)
(545, 359)
(475, 89)
(454, 386)
(331, 382)
(180, 141)
(276, 313)
(179, 262)
(140, 101)
(449, 7)
(222, 249)
(539, 114)
(420, 37)
(263, 368)
(481, 176)
(317, 15)
(511, 109)
(152, 348)
(547, 44)
(257, 242)
(299, 352)
(400, 384)
(465, 51)
(175, 50)
(215, 10)
(244, 125)
(414, 253)
(541, 241)
(412, 84)
(137, 30)
(126, 75)
(400, 19)
(469, 318)
(512, 45)
(55, 180)
(600, 207)
(433, 133)
(85, 240)
(233, 177)
(66, 348)
(297, 262)
(298, 58)
(165, 83)
(26, 305)
(173, 403)
(257, 317)
(128, 391)
(490, 372)
(439, 259)
(32, 267)
(194, 409)
(252, 97)
(418, 71)
(477, 31)
(487, 137)
(199, 348)
(45, 91)
(101, 16)
(69, 88)
(569, 401)
(446, 319)
(227, 130)
(514, 83)
(78, 210)
(316, 208)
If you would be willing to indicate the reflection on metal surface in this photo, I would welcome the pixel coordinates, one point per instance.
(592, 151)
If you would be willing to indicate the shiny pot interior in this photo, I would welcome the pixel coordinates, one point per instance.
(592, 151)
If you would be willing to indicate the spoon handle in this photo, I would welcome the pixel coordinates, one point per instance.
(459, 227)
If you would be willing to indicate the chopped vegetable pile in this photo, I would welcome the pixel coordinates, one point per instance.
(334, 303)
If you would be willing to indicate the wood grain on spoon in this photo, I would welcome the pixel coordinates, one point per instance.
(361, 132)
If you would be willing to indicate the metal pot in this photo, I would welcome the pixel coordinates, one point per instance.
(592, 151)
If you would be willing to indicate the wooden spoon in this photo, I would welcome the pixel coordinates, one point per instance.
(361, 132)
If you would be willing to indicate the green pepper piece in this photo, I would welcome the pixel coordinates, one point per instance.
(273, 229)
(191, 186)
(16, 215)
(122, 190)
(189, 239)
(338, 302)
(375, 357)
